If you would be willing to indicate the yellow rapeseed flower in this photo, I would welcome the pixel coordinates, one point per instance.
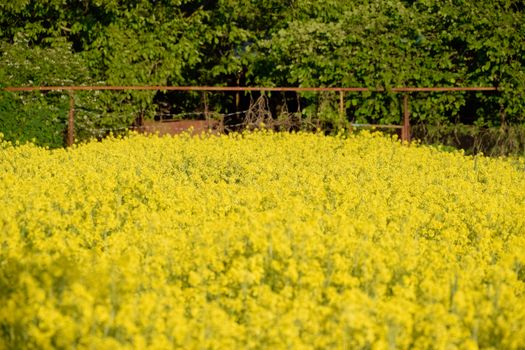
(260, 240)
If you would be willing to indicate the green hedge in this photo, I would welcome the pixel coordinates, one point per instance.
(371, 43)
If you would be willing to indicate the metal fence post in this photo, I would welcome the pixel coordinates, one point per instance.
(341, 103)
(205, 98)
(405, 131)
(71, 120)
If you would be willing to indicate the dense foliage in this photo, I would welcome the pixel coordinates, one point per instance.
(373, 43)
(259, 241)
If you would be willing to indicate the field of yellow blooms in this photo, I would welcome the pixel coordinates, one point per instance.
(260, 241)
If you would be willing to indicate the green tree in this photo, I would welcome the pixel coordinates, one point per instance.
(372, 43)
(38, 116)
(385, 44)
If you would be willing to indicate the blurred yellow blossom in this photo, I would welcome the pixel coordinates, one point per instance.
(260, 240)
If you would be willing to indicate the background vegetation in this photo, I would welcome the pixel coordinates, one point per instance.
(373, 43)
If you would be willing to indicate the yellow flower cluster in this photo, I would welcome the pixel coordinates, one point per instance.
(260, 240)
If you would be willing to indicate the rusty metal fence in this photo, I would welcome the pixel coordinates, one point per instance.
(404, 91)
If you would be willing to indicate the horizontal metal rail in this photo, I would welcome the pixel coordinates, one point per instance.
(246, 88)
(373, 126)
(405, 128)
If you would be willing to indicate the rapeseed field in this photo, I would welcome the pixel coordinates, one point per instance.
(260, 241)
